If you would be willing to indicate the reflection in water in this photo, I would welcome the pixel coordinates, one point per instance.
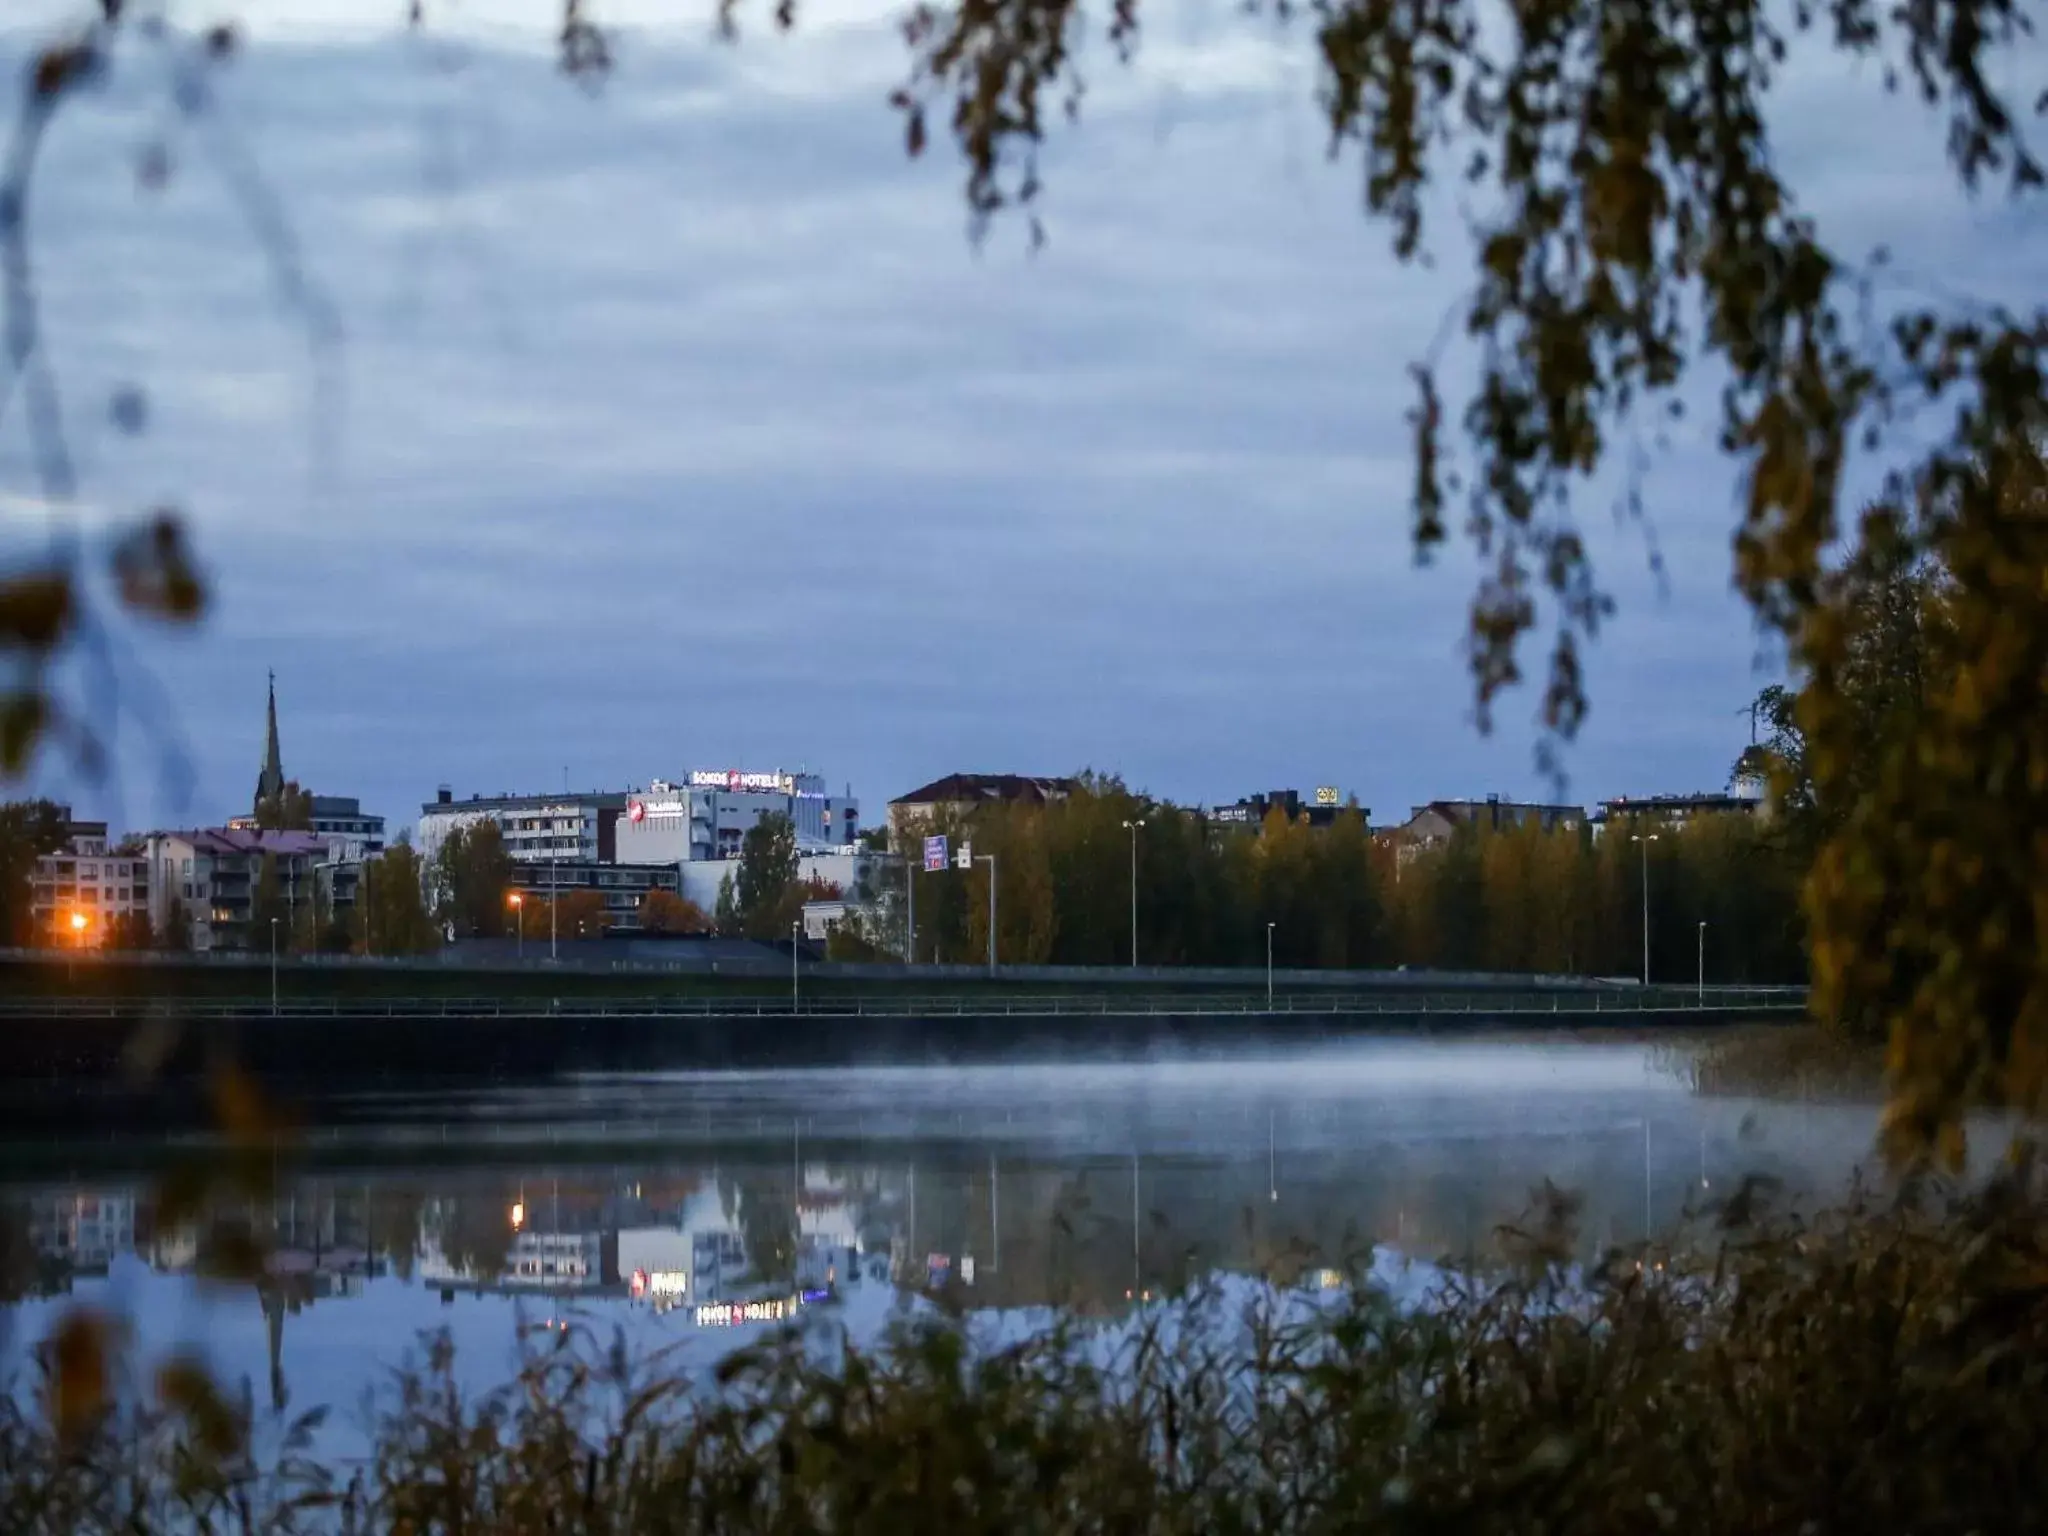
(725, 1200)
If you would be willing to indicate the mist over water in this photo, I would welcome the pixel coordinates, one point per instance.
(633, 1202)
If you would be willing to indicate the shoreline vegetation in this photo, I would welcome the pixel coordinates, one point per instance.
(1877, 1366)
(1802, 1061)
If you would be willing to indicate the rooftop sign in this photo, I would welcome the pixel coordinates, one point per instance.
(733, 781)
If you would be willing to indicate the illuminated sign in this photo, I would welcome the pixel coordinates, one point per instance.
(735, 782)
(734, 1314)
(934, 854)
(665, 808)
(660, 1282)
(1231, 813)
(1326, 794)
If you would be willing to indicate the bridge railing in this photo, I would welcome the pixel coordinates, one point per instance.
(1663, 1002)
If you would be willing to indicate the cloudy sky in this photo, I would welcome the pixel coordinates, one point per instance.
(679, 425)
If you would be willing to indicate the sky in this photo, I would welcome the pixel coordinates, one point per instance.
(613, 433)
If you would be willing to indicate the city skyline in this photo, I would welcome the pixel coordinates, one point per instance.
(737, 452)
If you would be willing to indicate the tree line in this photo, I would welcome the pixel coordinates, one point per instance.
(1339, 895)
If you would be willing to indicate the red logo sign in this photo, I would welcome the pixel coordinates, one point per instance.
(636, 810)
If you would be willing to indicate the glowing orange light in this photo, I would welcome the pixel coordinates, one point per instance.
(78, 922)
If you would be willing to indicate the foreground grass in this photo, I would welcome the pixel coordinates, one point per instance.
(1881, 1368)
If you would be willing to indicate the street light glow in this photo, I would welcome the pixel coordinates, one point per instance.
(78, 922)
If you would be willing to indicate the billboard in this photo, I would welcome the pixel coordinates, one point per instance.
(733, 781)
(934, 854)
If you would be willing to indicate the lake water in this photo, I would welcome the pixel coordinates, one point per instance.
(695, 1206)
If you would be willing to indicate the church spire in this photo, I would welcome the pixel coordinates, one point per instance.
(270, 783)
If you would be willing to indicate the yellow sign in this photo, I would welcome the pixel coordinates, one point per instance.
(1326, 794)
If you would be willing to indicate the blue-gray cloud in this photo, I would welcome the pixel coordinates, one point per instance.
(682, 426)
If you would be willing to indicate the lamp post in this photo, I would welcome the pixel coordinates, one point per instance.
(1645, 841)
(1269, 967)
(909, 910)
(795, 927)
(518, 923)
(990, 860)
(1132, 828)
(78, 925)
(1702, 997)
(273, 966)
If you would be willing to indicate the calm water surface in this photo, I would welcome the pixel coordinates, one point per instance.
(674, 1206)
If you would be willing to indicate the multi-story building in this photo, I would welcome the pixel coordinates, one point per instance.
(79, 892)
(214, 872)
(535, 828)
(1250, 813)
(85, 1229)
(621, 885)
(708, 814)
(1676, 810)
(343, 816)
(910, 814)
(1434, 823)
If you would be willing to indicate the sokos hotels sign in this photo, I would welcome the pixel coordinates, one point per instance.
(735, 782)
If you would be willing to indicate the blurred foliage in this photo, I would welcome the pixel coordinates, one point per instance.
(1879, 1367)
(28, 830)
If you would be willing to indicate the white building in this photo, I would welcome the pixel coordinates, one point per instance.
(343, 816)
(78, 892)
(87, 1229)
(708, 815)
(535, 828)
(843, 867)
(533, 1260)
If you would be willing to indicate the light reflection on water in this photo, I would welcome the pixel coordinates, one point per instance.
(1080, 1185)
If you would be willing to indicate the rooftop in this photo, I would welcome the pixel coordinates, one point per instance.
(955, 788)
(604, 800)
(237, 840)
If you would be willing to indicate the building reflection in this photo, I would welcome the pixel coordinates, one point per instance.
(739, 1226)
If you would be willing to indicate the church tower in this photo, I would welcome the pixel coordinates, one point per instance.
(270, 783)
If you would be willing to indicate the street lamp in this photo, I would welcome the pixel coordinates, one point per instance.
(518, 923)
(273, 966)
(1269, 967)
(909, 909)
(990, 860)
(1646, 841)
(795, 927)
(1132, 828)
(78, 924)
(1703, 966)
